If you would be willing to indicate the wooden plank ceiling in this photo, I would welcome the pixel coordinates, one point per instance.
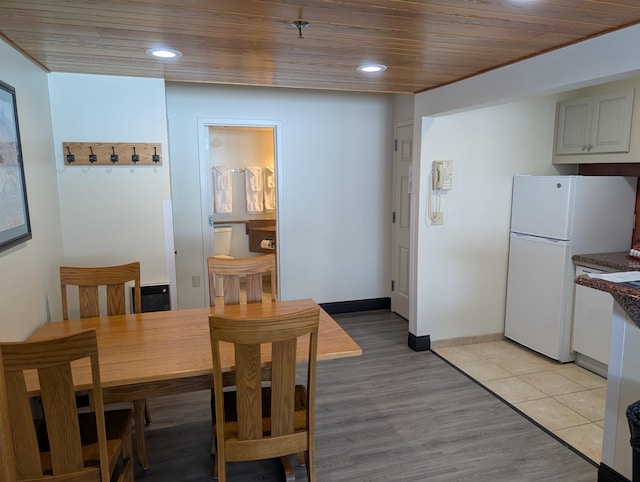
(424, 43)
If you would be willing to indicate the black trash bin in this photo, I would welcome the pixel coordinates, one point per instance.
(633, 416)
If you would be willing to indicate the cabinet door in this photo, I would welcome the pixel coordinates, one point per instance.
(592, 312)
(611, 127)
(574, 126)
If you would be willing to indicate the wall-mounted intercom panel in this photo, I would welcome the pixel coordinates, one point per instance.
(441, 175)
(441, 180)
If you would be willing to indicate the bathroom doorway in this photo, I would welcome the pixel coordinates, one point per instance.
(239, 176)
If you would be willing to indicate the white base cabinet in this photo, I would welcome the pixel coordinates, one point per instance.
(591, 329)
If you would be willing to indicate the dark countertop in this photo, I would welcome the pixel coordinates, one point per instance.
(618, 261)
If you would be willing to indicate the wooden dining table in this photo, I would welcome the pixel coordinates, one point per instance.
(153, 354)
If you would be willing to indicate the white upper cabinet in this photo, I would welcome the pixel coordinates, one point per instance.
(595, 125)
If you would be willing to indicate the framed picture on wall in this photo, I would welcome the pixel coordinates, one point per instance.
(15, 227)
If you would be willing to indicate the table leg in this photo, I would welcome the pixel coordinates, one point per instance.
(147, 412)
(139, 409)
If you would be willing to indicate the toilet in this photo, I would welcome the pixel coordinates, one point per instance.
(221, 249)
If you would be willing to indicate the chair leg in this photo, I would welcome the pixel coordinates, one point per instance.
(126, 473)
(310, 465)
(138, 416)
(213, 432)
(289, 471)
(219, 470)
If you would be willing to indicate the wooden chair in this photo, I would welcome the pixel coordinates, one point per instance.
(114, 278)
(233, 269)
(256, 422)
(63, 445)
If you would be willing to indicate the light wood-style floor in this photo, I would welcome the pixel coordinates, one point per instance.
(564, 398)
(392, 414)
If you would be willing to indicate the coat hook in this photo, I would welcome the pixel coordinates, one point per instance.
(155, 157)
(92, 157)
(135, 157)
(70, 157)
(114, 156)
(300, 25)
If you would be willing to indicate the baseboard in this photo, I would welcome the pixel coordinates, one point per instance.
(607, 474)
(466, 340)
(357, 305)
(419, 343)
(592, 365)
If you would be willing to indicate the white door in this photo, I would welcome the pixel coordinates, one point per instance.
(401, 221)
(574, 126)
(591, 328)
(611, 130)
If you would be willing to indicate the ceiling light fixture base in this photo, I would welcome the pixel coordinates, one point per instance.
(371, 68)
(163, 53)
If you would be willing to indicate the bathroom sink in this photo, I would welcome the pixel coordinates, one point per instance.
(260, 230)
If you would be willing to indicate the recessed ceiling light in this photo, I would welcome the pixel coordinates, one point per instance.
(370, 68)
(164, 53)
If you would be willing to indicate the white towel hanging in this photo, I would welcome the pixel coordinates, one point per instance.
(253, 188)
(269, 189)
(222, 189)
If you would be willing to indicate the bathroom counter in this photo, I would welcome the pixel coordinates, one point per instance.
(258, 232)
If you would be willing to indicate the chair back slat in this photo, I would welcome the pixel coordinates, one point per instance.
(232, 270)
(25, 441)
(231, 289)
(254, 288)
(88, 280)
(115, 299)
(249, 392)
(283, 381)
(89, 301)
(60, 414)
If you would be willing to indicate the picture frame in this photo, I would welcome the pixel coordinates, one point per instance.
(15, 226)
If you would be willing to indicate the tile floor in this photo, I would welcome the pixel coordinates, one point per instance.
(565, 399)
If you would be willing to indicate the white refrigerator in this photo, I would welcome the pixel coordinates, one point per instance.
(553, 218)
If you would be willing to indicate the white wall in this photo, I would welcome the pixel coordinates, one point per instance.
(112, 215)
(334, 189)
(463, 263)
(29, 290)
(402, 107)
(460, 278)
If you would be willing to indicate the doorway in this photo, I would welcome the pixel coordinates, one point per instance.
(400, 253)
(239, 190)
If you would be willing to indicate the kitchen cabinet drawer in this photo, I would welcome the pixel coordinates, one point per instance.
(595, 125)
(591, 329)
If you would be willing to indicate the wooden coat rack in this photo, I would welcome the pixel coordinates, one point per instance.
(111, 154)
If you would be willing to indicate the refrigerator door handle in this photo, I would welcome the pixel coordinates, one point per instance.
(540, 239)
